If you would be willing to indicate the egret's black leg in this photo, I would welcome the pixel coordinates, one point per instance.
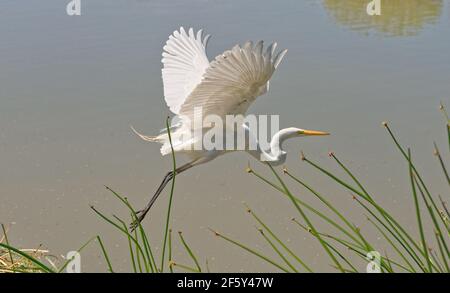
(169, 176)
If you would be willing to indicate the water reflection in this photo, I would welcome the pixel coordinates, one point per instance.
(398, 17)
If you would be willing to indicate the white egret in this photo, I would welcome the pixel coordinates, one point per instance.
(225, 86)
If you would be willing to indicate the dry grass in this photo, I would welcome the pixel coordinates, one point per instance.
(12, 262)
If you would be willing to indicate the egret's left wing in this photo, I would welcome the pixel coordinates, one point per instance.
(185, 62)
(233, 81)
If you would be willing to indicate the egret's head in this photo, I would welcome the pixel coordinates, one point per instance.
(298, 132)
(305, 132)
(278, 155)
(291, 132)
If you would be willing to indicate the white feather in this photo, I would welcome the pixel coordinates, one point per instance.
(233, 80)
(227, 85)
(185, 62)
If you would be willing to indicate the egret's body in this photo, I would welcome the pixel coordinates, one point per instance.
(225, 86)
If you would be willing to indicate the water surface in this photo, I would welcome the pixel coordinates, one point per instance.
(71, 86)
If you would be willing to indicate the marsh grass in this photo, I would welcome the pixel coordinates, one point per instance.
(342, 240)
(142, 257)
(14, 260)
(36, 260)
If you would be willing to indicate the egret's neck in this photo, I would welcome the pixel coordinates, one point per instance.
(275, 153)
(276, 144)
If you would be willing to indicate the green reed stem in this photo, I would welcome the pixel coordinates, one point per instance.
(66, 263)
(171, 194)
(353, 177)
(388, 262)
(307, 206)
(393, 245)
(124, 231)
(185, 267)
(444, 206)
(252, 251)
(207, 266)
(7, 242)
(448, 134)
(441, 162)
(138, 255)
(329, 245)
(433, 217)
(148, 252)
(147, 249)
(333, 209)
(418, 215)
(422, 183)
(403, 243)
(444, 111)
(436, 261)
(189, 250)
(170, 251)
(40, 265)
(301, 262)
(441, 251)
(105, 254)
(395, 226)
(302, 213)
(361, 252)
(130, 248)
(353, 269)
(275, 248)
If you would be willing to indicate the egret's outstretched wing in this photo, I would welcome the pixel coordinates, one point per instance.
(233, 80)
(185, 62)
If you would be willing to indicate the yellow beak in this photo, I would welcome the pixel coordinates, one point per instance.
(313, 132)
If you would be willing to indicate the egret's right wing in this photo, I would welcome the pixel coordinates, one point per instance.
(233, 81)
(185, 62)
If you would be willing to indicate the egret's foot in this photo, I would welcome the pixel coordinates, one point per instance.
(140, 215)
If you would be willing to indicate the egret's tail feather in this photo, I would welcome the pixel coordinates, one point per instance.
(172, 127)
(144, 137)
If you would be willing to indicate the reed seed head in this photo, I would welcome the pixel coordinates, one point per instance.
(248, 169)
(215, 232)
(248, 208)
(384, 123)
(302, 156)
